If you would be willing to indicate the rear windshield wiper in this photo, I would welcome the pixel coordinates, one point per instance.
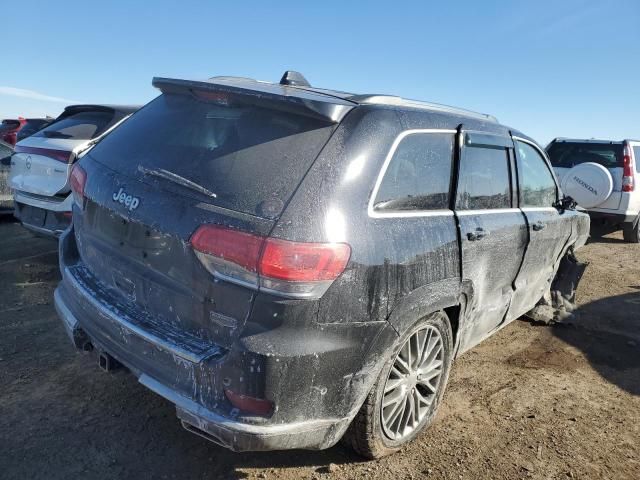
(175, 178)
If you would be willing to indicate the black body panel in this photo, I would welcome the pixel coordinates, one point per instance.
(134, 286)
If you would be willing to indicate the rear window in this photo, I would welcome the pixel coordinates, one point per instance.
(251, 158)
(570, 154)
(80, 126)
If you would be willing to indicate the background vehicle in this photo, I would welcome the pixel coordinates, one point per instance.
(42, 164)
(602, 176)
(32, 125)
(287, 264)
(9, 129)
(6, 197)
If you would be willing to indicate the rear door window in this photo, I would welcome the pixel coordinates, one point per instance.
(537, 187)
(636, 156)
(418, 175)
(80, 126)
(484, 181)
(251, 158)
(570, 154)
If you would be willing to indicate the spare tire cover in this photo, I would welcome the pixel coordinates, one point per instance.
(589, 184)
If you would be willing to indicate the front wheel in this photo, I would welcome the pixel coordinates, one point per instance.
(404, 400)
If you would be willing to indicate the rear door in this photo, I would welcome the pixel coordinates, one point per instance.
(549, 230)
(493, 232)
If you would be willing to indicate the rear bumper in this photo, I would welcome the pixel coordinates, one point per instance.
(192, 373)
(42, 221)
(222, 430)
(616, 218)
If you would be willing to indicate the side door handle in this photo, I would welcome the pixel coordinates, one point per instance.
(538, 226)
(477, 234)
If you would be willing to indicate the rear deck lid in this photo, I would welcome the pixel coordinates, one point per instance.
(192, 157)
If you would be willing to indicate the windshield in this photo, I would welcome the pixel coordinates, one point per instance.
(80, 126)
(251, 158)
(570, 154)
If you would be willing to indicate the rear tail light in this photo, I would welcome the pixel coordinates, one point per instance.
(628, 180)
(77, 182)
(283, 267)
(59, 155)
(246, 404)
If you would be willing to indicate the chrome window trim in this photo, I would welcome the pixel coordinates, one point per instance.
(539, 209)
(487, 211)
(412, 213)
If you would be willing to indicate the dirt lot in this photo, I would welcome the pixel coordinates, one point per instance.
(530, 402)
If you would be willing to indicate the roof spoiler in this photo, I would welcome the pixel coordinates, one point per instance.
(276, 96)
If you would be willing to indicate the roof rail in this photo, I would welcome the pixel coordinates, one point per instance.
(403, 102)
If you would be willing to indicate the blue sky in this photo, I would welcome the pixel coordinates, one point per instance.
(549, 68)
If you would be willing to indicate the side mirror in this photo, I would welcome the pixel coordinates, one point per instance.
(565, 203)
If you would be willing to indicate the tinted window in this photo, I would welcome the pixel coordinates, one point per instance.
(636, 155)
(31, 127)
(81, 126)
(570, 154)
(5, 151)
(537, 188)
(418, 175)
(484, 179)
(251, 158)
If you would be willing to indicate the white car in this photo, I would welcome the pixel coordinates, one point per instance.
(602, 177)
(41, 164)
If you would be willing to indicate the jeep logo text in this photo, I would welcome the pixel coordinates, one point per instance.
(129, 201)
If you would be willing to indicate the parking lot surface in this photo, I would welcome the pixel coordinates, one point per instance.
(530, 402)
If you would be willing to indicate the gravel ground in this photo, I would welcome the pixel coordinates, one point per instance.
(530, 402)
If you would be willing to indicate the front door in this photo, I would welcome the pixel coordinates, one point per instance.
(549, 230)
(493, 232)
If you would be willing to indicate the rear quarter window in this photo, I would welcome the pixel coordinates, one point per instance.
(418, 175)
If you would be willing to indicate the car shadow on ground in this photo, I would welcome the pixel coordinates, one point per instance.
(607, 331)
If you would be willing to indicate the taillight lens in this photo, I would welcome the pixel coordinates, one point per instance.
(628, 180)
(59, 155)
(246, 404)
(77, 182)
(295, 269)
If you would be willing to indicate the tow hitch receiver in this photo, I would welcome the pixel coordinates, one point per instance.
(107, 362)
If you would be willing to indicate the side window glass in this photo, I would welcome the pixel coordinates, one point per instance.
(537, 187)
(419, 174)
(636, 156)
(484, 181)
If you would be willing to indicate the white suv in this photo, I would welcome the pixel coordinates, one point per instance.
(602, 176)
(41, 164)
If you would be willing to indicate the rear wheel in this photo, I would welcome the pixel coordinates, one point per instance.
(631, 232)
(405, 398)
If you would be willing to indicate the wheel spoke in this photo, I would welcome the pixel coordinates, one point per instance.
(413, 381)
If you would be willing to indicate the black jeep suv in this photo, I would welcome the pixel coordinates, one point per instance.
(290, 265)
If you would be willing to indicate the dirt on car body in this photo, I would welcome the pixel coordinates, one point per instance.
(530, 402)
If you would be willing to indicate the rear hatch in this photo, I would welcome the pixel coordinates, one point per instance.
(42, 162)
(201, 153)
(565, 155)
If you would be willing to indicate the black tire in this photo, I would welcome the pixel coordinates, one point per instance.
(631, 232)
(366, 434)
